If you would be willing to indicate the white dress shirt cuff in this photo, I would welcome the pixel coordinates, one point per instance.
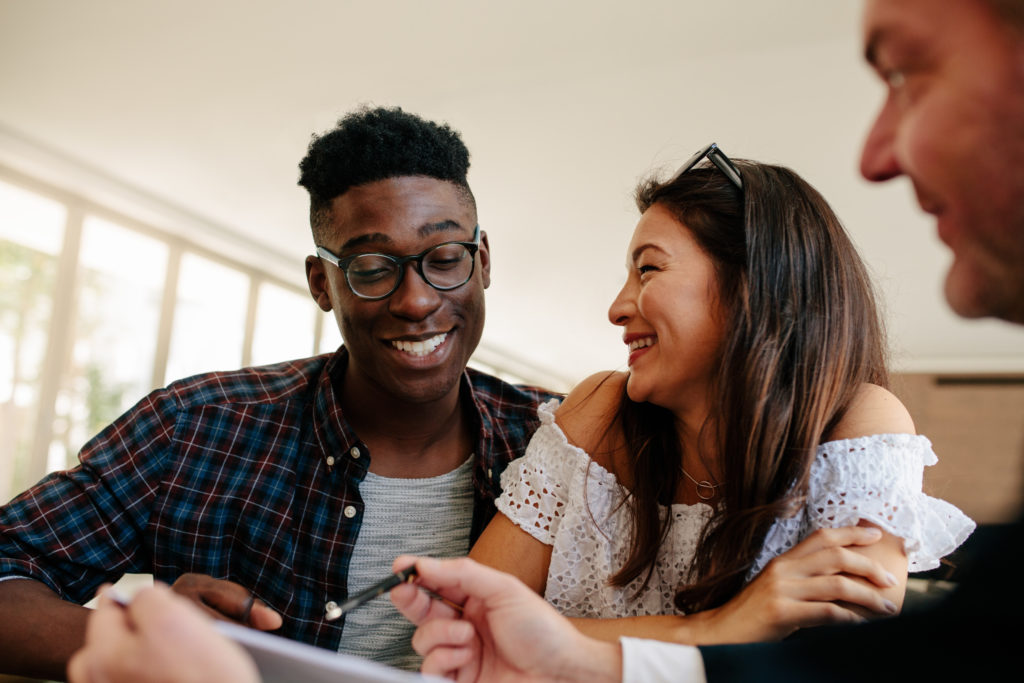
(652, 661)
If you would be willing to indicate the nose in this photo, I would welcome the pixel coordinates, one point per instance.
(414, 299)
(623, 308)
(878, 161)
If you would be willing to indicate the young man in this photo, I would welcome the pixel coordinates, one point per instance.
(270, 494)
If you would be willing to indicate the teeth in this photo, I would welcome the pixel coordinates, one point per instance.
(641, 343)
(420, 348)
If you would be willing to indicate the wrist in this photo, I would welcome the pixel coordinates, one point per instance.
(699, 628)
(595, 661)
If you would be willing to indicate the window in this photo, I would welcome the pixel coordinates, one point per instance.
(118, 295)
(31, 235)
(285, 325)
(209, 319)
(96, 311)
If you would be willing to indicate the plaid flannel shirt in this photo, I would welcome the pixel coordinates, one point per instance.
(250, 476)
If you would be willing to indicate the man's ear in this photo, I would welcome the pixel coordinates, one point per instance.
(316, 278)
(485, 259)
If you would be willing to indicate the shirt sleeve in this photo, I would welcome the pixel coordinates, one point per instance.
(78, 528)
(652, 661)
(535, 486)
(878, 479)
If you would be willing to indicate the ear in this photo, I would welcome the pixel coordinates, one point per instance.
(316, 278)
(485, 259)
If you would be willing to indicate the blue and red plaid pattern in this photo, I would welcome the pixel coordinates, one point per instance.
(244, 476)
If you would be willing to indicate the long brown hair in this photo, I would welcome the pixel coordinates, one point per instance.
(804, 335)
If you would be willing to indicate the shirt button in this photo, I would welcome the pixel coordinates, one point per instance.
(330, 461)
(331, 607)
(355, 452)
(350, 511)
(489, 475)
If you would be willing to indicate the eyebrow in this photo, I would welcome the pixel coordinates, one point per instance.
(876, 37)
(642, 248)
(424, 230)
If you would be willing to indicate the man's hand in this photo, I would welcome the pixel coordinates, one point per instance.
(227, 600)
(505, 631)
(157, 637)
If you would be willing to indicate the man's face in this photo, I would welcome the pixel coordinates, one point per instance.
(953, 122)
(413, 345)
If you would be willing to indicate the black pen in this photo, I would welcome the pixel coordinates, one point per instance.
(402, 576)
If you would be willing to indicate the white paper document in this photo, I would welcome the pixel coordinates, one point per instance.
(287, 661)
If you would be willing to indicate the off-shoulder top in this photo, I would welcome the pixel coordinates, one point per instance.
(557, 494)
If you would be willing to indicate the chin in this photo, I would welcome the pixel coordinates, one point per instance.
(430, 389)
(634, 391)
(971, 295)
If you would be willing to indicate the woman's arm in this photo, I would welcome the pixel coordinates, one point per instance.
(875, 410)
(584, 413)
(822, 580)
(506, 547)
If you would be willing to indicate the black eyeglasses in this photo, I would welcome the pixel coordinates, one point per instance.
(444, 266)
(718, 158)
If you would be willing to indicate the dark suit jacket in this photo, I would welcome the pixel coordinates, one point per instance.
(974, 634)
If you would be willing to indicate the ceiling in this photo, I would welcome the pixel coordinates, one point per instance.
(203, 108)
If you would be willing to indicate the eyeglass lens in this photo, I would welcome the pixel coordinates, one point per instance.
(446, 266)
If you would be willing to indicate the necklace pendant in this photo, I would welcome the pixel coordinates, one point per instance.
(705, 489)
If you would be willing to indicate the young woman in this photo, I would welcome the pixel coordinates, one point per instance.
(750, 475)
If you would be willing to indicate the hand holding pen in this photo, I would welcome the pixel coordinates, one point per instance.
(500, 631)
(398, 578)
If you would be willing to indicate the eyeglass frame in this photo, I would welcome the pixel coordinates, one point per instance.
(716, 156)
(343, 262)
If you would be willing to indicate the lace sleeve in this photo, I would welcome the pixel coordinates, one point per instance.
(878, 479)
(534, 487)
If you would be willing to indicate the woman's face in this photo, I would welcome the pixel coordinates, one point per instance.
(670, 313)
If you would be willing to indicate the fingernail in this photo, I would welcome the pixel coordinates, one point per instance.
(462, 631)
(890, 579)
(890, 607)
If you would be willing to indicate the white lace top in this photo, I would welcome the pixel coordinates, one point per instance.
(561, 498)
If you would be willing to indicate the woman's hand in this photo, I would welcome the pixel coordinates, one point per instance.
(505, 632)
(822, 580)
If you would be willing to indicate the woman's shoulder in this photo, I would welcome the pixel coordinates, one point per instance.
(873, 410)
(588, 415)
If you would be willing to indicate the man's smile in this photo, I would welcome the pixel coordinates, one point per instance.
(420, 348)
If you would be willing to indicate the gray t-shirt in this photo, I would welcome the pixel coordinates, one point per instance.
(429, 516)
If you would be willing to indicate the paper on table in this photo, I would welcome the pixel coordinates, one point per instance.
(287, 661)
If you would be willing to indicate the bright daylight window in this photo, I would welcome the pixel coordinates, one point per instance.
(209, 321)
(285, 321)
(118, 293)
(87, 327)
(31, 235)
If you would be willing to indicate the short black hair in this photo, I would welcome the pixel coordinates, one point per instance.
(371, 144)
